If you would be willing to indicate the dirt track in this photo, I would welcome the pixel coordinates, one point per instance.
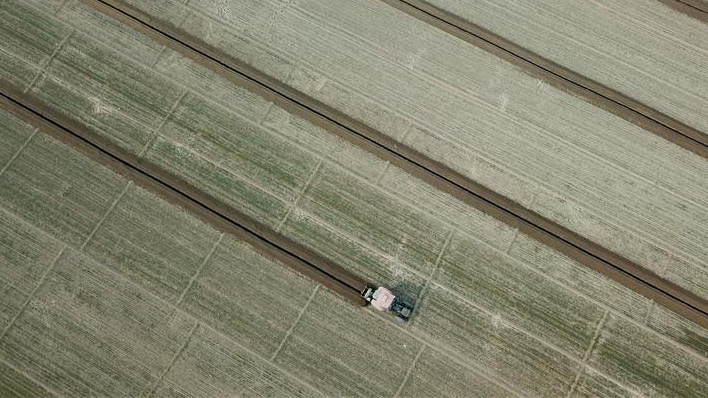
(693, 8)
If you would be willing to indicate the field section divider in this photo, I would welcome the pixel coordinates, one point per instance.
(559, 76)
(443, 178)
(177, 191)
(693, 8)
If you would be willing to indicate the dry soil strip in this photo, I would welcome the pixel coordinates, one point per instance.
(693, 8)
(445, 179)
(558, 76)
(175, 190)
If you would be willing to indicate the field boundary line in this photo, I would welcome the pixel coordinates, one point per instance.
(410, 370)
(19, 150)
(436, 266)
(291, 329)
(199, 270)
(45, 64)
(588, 352)
(108, 212)
(159, 127)
(297, 200)
(39, 284)
(179, 352)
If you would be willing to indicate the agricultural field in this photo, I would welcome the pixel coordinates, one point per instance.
(109, 290)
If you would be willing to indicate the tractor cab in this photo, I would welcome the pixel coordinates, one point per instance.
(383, 299)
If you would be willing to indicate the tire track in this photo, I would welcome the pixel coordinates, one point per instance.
(176, 190)
(580, 249)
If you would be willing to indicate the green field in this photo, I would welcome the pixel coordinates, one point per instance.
(107, 290)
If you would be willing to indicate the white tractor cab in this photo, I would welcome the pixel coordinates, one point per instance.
(384, 300)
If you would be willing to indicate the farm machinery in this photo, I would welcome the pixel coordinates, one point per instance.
(383, 299)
